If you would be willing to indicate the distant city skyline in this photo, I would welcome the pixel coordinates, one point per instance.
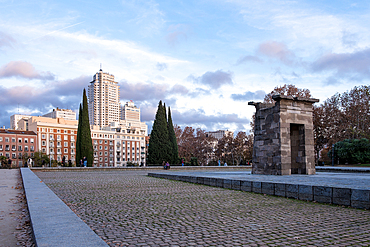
(205, 59)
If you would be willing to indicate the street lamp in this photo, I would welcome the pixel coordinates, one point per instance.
(51, 145)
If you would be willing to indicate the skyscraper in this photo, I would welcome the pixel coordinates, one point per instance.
(104, 105)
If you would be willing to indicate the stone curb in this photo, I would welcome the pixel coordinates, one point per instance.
(343, 169)
(356, 198)
(53, 222)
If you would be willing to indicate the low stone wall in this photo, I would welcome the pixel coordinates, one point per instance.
(176, 168)
(356, 198)
(53, 222)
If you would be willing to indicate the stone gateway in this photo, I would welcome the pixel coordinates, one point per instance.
(283, 137)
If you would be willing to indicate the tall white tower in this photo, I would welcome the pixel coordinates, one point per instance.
(104, 105)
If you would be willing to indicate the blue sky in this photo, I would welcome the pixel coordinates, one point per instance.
(205, 59)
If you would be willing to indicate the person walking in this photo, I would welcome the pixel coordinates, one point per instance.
(85, 161)
(29, 162)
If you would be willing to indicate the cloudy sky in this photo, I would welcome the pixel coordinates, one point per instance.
(205, 59)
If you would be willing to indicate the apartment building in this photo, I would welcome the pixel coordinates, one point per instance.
(219, 134)
(56, 137)
(17, 145)
(14, 119)
(67, 114)
(103, 99)
(119, 144)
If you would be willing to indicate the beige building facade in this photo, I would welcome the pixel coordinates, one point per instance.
(67, 114)
(103, 99)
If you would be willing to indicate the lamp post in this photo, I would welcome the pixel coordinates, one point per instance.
(51, 145)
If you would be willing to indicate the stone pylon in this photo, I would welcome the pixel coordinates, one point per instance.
(283, 137)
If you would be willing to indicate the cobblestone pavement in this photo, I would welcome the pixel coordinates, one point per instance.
(127, 208)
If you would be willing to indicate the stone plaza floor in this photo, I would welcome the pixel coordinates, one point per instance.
(128, 208)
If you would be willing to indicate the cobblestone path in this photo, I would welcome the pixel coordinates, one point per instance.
(126, 208)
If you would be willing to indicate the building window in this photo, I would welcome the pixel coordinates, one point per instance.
(1, 139)
(14, 148)
(58, 131)
(14, 156)
(43, 150)
(20, 140)
(66, 144)
(6, 139)
(25, 140)
(32, 148)
(66, 150)
(1, 148)
(65, 137)
(58, 137)
(43, 136)
(13, 139)
(26, 148)
(43, 143)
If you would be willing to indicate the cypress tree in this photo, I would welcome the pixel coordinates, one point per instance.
(165, 111)
(78, 141)
(172, 139)
(159, 148)
(84, 134)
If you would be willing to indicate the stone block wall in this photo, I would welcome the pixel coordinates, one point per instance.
(283, 137)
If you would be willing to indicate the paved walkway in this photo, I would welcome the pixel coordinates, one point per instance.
(127, 208)
(14, 222)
